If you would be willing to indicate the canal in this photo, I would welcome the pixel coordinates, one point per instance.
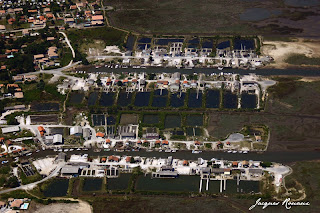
(273, 156)
(265, 72)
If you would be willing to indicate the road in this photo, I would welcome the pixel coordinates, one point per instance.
(69, 44)
(58, 71)
(32, 185)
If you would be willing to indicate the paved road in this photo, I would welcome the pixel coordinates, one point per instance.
(32, 185)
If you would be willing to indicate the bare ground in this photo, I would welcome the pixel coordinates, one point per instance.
(81, 207)
(280, 50)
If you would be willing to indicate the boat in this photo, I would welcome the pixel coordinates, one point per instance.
(78, 149)
(234, 152)
(167, 150)
(60, 150)
(149, 150)
(229, 151)
(196, 151)
(160, 150)
(240, 151)
(97, 150)
(55, 150)
(174, 150)
(220, 68)
(85, 149)
(66, 150)
(71, 150)
(245, 152)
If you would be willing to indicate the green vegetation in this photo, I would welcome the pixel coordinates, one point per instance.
(301, 59)
(109, 35)
(305, 177)
(5, 170)
(156, 17)
(41, 91)
(66, 56)
(30, 179)
(284, 87)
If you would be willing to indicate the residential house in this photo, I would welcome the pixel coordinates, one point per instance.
(57, 139)
(2, 28)
(30, 77)
(69, 21)
(18, 94)
(76, 130)
(52, 53)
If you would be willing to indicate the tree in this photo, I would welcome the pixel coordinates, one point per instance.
(13, 182)
(119, 83)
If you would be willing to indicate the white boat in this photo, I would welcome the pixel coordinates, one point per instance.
(60, 150)
(240, 151)
(220, 68)
(55, 150)
(167, 150)
(85, 149)
(196, 151)
(229, 151)
(149, 150)
(160, 150)
(234, 151)
(78, 149)
(245, 152)
(174, 150)
(71, 150)
(66, 150)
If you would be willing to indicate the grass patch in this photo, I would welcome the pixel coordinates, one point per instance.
(30, 179)
(66, 57)
(301, 59)
(305, 176)
(108, 35)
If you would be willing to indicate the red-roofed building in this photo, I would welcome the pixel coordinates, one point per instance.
(97, 18)
(100, 134)
(113, 158)
(165, 142)
(128, 159)
(185, 163)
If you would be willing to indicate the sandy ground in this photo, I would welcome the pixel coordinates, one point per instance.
(280, 50)
(44, 166)
(310, 79)
(81, 207)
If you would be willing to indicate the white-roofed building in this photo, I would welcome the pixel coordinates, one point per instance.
(76, 130)
(57, 139)
(10, 129)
